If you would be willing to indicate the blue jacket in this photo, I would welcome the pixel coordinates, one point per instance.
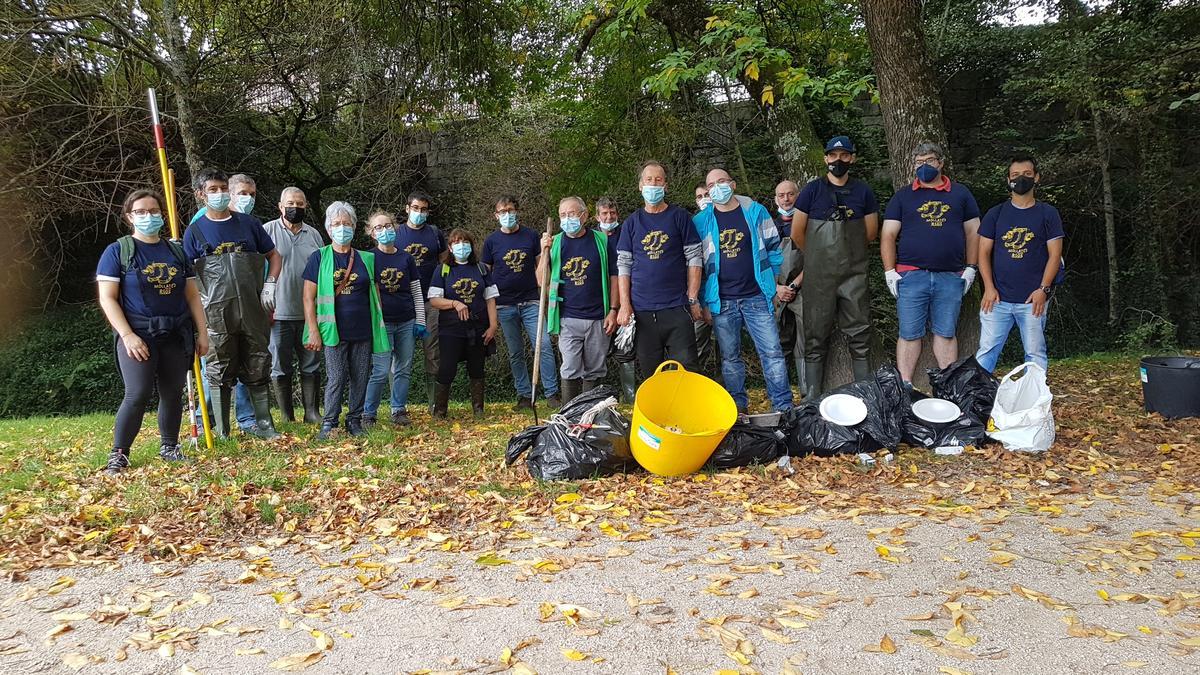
(764, 241)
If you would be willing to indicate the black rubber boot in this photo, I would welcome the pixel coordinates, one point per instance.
(814, 373)
(264, 426)
(282, 387)
(628, 373)
(431, 389)
(220, 398)
(862, 369)
(310, 396)
(477, 398)
(588, 385)
(801, 376)
(570, 389)
(441, 401)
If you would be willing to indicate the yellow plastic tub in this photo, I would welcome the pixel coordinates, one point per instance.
(679, 419)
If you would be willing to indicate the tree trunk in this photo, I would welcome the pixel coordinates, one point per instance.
(912, 112)
(908, 92)
(1110, 227)
(181, 85)
(797, 147)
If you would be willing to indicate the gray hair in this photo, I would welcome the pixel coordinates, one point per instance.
(929, 148)
(291, 190)
(578, 200)
(338, 209)
(241, 179)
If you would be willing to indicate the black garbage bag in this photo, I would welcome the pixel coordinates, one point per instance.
(968, 385)
(960, 433)
(574, 444)
(747, 444)
(809, 433)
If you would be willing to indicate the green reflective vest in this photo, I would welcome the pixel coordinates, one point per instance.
(327, 319)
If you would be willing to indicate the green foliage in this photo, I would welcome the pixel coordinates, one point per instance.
(1149, 333)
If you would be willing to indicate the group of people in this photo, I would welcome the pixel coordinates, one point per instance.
(257, 300)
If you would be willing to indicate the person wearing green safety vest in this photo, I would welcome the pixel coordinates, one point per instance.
(343, 316)
(583, 283)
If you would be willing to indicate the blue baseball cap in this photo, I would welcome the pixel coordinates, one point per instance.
(840, 143)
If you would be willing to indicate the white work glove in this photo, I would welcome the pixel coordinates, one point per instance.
(267, 297)
(893, 282)
(968, 277)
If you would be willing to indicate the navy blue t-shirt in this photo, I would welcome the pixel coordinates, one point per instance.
(394, 272)
(931, 226)
(656, 241)
(823, 200)
(468, 285)
(512, 259)
(735, 276)
(1019, 254)
(239, 233)
(424, 245)
(582, 288)
(351, 307)
(154, 285)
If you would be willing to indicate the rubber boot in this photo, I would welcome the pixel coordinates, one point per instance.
(310, 395)
(264, 426)
(477, 398)
(282, 387)
(628, 373)
(801, 376)
(431, 389)
(441, 401)
(589, 385)
(570, 389)
(814, 373)
(862, 369)
(220, 398)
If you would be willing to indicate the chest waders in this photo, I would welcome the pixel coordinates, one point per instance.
(789, 317)
(835, 293)
(238, 334)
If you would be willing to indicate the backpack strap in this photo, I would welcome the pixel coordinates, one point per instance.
(126, 250)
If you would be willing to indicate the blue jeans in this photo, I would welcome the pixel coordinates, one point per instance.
(242, 407)
(928, 298)
(756, 315)
(398, 362)
(994, 327)
(514, 318)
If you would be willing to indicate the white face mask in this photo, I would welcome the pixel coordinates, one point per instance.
(608, 227)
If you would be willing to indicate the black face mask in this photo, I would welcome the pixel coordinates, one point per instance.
(294, 214)
(1021, 185)
(839, 168)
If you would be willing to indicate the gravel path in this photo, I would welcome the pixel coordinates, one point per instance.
(1106, 586)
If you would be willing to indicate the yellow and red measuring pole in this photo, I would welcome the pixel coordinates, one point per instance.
(168, 179)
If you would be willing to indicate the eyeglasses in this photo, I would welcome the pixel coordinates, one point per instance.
(927, 160)
(142, 213)
(507, 209)
(381, 227)
(418, 209)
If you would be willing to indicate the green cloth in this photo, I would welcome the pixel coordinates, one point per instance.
(554, 310)
(327, 320)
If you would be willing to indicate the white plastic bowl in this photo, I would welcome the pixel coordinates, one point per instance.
(936, 410)
(843, 409)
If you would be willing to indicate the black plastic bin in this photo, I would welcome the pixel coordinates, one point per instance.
(1171, 385)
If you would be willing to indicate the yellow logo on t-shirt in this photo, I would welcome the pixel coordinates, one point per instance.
(161, 276)
(934, 213)
(390, 279)
(339, 274)
(731, 242)
(229, 247)
(417, 251)
(1017, 241)
(653, 244)
(465, 289)
(575, 269)
(515, 259)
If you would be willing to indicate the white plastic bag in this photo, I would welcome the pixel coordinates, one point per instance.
(1021, 417)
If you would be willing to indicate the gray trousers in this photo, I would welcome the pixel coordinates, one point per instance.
(584, 346)
(287, 343)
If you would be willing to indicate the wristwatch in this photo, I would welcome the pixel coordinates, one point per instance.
(692, 302)
(793, 286)
(1047, 290)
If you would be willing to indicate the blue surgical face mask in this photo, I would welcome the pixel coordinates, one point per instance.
(721, 193)
(653, 194)
(461, 251)
(609, 227)
(418, 217)
(386, 237)
(243, 203)
(149, 224)
(341, 234)
(217, 201)
(927, 173)
(786, 212)
(570, 225)
(508, 221)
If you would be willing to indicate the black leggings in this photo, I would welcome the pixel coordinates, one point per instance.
(454, 349)
(167, 367)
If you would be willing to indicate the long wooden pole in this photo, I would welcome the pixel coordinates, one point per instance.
(168, 179)
(541, 327)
